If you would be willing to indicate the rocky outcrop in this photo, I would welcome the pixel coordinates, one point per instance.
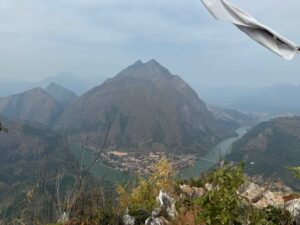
(127, 219)
(252, 192)
(166, 213)
(192, 191)
(259, 196)
(293, 207)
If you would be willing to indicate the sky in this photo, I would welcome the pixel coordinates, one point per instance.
(95, 39)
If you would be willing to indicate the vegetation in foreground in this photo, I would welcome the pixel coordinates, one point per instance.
(220, 204)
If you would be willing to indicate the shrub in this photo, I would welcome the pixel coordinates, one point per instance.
(141, 199)
(221, 204)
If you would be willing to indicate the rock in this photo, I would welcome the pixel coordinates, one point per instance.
(166, 213)
(156, 213)
(64, 218)
(208, 187)
(294, 208)
(127, 219)
(290, 197)
(156, 221)
(270, 199)
(252, 192)
(192, 191)
(199, 192)
(187, 189)
(167, 204)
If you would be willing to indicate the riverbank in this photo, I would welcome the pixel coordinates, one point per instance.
(206, 162)
(120, 166)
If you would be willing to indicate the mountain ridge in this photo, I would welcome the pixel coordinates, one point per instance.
(149, 108)
(270, 148)
(33, 105)
(61, 94)
(29, 152)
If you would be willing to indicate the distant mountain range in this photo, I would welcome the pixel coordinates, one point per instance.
(33, 105)
(60, 94)
(270, 148)
(65, 79)
(273, 101)
(38, 105)
(150, 110)
(231, 118)
(29, 153)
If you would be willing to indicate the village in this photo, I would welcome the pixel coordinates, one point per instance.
(141, 163)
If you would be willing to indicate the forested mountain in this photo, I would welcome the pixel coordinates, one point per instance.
(149, 109)
(32, 155)
(270, 148)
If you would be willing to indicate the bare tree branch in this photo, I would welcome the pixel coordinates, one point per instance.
(99, 152)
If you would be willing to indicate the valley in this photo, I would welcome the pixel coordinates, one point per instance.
(139, 118)
(143, 112)
(122, 166)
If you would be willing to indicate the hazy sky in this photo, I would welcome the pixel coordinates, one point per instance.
(97, 38)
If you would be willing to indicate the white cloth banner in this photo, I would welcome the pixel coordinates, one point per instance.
(226, 11)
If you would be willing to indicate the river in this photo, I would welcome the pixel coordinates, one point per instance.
(104, 172)
(212, 157)
(100, 170)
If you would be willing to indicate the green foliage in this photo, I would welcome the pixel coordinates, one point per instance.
(296, 171)
(93, 208)
(141, 199)
(221, 203)
(277, 216)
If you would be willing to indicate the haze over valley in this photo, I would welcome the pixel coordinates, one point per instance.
(149, 113)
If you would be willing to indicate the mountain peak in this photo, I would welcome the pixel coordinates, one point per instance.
(35, 89)
(138, 63)
(33, 105)
(149, 70)
(153, 62)
(60, 93)
(54, 85)
(156, 66)
(149, 110)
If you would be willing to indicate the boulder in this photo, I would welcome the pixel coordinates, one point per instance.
(270, 199)
(294, 208)
(166, 213)
(156, 221)
(63, 218)
(209, 187)
(167, 205)
(252, 192)
(193, 192)
(127, 219)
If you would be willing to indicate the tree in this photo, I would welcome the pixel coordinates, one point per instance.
(141, 199)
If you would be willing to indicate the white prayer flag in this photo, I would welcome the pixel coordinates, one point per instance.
(226, 11)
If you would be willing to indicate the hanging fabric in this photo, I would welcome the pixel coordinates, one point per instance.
(226, 11)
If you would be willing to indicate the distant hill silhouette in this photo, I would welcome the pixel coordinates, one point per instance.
(60, 94)
(33, 105)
